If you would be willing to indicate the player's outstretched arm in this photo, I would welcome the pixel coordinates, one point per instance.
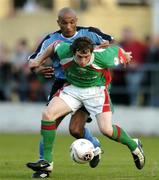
(114, 56)
(40, 60)
(128, 57)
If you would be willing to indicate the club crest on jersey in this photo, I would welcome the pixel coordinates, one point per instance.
(81, 70)
(116, 61)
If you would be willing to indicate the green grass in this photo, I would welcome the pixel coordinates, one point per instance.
(116, 163)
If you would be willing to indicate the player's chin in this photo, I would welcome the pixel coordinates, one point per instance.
(83, 65)
(69, 33)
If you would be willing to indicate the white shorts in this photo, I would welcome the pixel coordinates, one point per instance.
(95, 99)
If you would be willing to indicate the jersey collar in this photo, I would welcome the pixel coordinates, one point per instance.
(69, 37)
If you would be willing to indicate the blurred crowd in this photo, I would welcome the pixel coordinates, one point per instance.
(17, 83)
(138, 84)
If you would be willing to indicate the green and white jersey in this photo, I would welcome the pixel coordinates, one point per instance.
(96, 72)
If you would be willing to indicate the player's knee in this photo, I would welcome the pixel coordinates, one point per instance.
(46, 115)
(76, 132)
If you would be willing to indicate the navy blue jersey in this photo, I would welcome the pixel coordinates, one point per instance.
(93, 33)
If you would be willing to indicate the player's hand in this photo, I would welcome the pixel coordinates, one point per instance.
(47, 72)
(128, 56)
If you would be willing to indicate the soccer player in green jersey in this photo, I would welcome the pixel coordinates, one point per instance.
(86, 70)
(68, 32)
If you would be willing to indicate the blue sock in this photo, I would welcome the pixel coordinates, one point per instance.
(88, 135)
(41, 153)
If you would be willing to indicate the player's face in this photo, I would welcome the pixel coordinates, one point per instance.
(82, 59)
(67, 24)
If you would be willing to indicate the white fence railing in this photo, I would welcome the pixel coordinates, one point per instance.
(25, 117)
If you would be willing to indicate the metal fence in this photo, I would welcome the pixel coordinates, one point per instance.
(147, 88)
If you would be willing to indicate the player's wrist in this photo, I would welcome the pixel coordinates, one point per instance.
(122, 56)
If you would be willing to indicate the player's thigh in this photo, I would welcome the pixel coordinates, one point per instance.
(57, 85)
(99, 101)
(69, 95)
(78, 120)
(56, 108)
(104, 121)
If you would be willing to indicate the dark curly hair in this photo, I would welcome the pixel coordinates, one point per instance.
(82, 44)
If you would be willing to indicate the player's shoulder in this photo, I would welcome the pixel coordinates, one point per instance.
(63, 50)
(53, 35)
(87, 28)
(111, 47)
(62, 46)
(94, 31)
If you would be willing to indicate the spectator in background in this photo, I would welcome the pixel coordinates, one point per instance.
(16, 81)
(20, 69)
(152, 61)
(31, 6)
(134, 76)
(5, 74)
(153, 51)
(20, 53)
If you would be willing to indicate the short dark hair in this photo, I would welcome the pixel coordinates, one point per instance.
(65, 10)
(82, 44)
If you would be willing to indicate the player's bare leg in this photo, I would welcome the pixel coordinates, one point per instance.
(77, 124)
(78, 130)
(56, 108)
(118, 134)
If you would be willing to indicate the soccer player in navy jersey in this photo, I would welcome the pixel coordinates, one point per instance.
(69, 31)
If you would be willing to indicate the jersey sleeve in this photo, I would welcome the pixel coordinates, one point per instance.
(98, 36)
(110, 57)
(41, 47)
(62, 49)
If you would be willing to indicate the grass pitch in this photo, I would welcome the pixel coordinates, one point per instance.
(116, 162)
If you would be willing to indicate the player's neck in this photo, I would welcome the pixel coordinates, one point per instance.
(69, 37)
